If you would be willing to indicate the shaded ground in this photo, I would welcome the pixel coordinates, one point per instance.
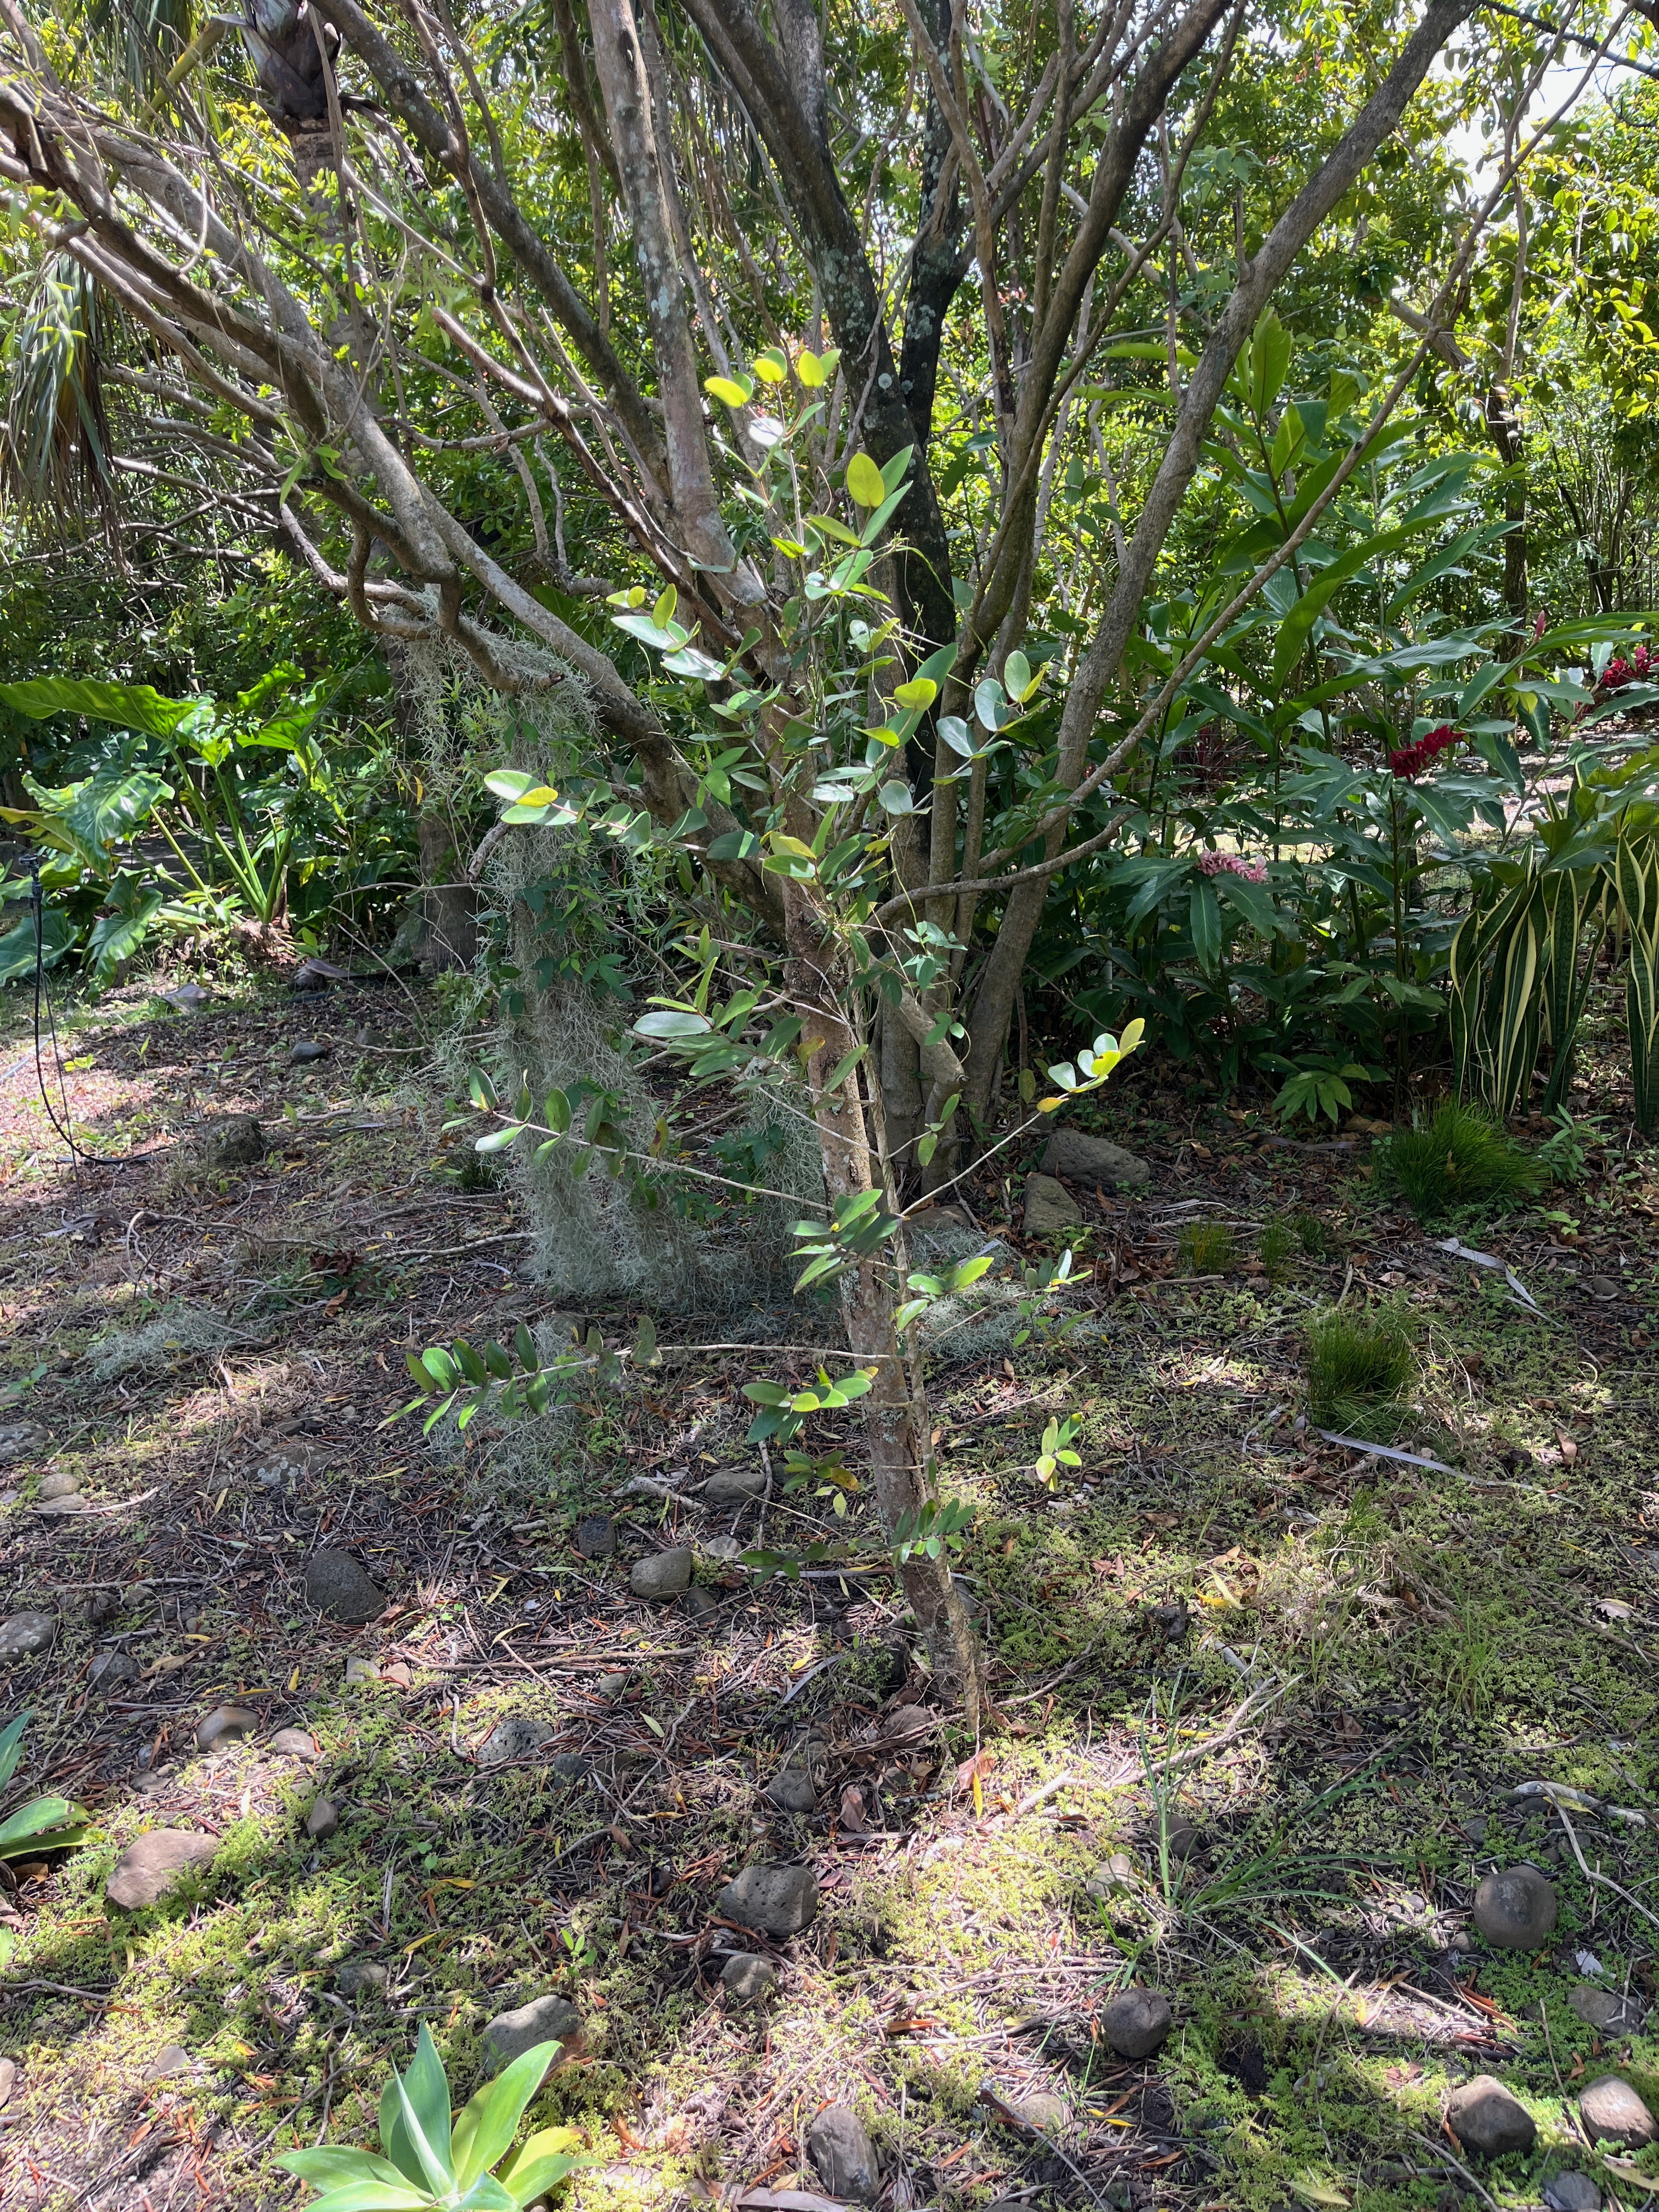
(1273, 1798)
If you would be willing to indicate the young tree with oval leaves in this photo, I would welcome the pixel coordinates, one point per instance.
(793, 311)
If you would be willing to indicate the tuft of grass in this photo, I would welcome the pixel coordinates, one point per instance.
(1277, 1242)
(1207, 1247)
(1361, 1367)
(1315, 1236)
(1461, 1159)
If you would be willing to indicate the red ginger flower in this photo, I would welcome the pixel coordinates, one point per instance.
(1411, 760)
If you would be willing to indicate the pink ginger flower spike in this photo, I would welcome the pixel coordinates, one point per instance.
(1232, 863)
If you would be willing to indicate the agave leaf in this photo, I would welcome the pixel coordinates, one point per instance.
(487, 2122)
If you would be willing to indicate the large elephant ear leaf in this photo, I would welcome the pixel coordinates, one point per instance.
(127, 706)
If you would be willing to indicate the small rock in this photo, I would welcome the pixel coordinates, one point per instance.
(323, 1820)
(721, 1548)
(746, 1980)
(1611, 2110)
(26, 1633)
(294, 1743)
(1049, 1206)
(1486, 2117)
(175, 2059)
(362, 1977)
(1044, 2113)
(237, 1142)
(799, 1784)
(60, 1482)
(304, 1050)
(1136, 2022)
(1601, 1286)
(516, 1737)
(285, 1468)
(148, 1870)
(225, 1725)
(110, 1669)
(338, 1586)
(843, 2154)
(1121, 1867)
(21, 1440)
(1475, 1827)
(1173, 1619)
(100, 1607)
(571, 1766)
(1571, 2193)
(186, 999)
(701, 1602)
(777, 1900)
(548, 2019)
(361, 1670)
(1606, 2010)
(1183, 1839)
(735, 1486)
(1094, 1160)
(8, 2080)
(661, 1575)
(596, 1537)
(53, 1509)
(1515, 1909)
(611, 1687)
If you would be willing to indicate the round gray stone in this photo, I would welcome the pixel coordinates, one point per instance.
(323, 1820)
(746, 1980)
(611, 1687)
(1045, 2113)
(735, 1486)
(1486, 2119)
(336, 1585)
(1612, 2111)
(362, 1977)
(516, 1737)
(1606, 2010)
(27, 1634)
(60, 1482)
(1136, 2022)
(596, 1536)
(294, 1743)
(661, 1575)
(1515, 1909)
(156, 1863)
(1571, 2193)
(225, 1725)
(778, 1900)
(1049, 1206)
(238, 1142)
(549, 2019)
(110, 1670)
(1095, 1160)
(843, 2154)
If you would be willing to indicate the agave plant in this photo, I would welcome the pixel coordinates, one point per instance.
(430, 2160)
(44, 1824)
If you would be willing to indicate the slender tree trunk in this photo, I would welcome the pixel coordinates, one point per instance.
(895, 1412)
